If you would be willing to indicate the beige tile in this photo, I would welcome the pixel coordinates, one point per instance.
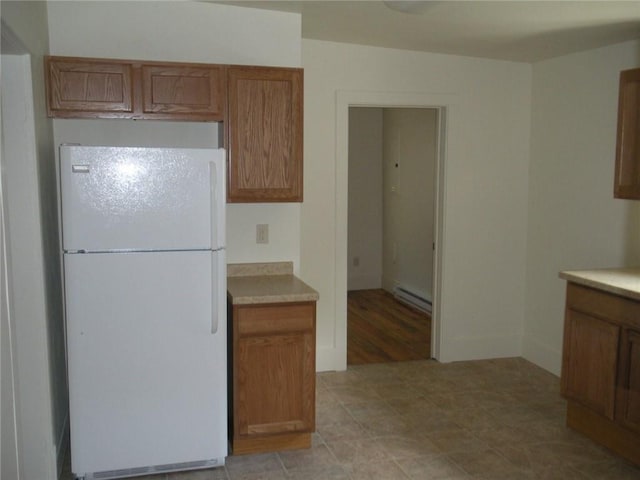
(332, 414)
(473, 418)
(358, 451)
(366, 411)
(552, 454)
(387, 470)
(432, 420)
(348, 429)
(307, 458)
(413, 404)
(349, 377)
(219, 473)
(398, 447)
(327, 472)
(614, 470)
(515, 414)
(355, 393)
(485, 463)
(391, 425)
(432, 468)
(456, 440)
(253, 464)
(266, 475)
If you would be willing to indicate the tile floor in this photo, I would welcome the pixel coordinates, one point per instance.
(490, 419)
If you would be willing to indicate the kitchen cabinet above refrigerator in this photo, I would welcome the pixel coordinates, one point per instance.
(261, 109)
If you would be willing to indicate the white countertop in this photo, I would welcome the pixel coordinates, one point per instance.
(620, 281)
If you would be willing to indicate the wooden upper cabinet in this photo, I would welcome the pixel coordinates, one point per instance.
(84, 88)
(183, 92)
(103, 88)
(627, 173)
(264, 134)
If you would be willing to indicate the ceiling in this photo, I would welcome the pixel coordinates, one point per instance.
(518, 30)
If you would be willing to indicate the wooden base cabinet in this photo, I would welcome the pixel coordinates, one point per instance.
(272, 377)
(601, 368)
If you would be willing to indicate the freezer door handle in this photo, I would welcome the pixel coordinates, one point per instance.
(217, 189)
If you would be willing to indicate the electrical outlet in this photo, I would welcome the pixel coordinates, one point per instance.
(262, 233)
(356, 261)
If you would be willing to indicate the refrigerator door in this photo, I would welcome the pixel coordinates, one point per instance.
(130, 198)
(147, 378)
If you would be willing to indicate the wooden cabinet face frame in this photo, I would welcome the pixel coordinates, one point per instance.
(264, 134)
(627, 169)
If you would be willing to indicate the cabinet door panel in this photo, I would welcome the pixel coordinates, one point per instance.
(80, 88)
(589, 361)
(628, 411)
(265, 134)
(193, 92)
(275, 384)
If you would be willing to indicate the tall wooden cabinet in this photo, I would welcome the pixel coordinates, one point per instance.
(601, 368)
(627, 172)
(264, 132)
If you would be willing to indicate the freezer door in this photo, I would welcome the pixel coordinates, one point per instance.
(117, 198)
(147, 378)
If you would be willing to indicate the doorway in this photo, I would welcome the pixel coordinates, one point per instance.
(446, 105)
(391, 211)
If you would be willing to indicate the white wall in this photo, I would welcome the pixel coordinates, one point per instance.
(574, 221)
(33, 258)
(410, 154)
(365, 198)
(184, 32)
(485, 198)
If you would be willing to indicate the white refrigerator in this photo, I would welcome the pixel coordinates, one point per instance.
(143, 235)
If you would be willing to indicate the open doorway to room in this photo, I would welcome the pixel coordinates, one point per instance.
(393, 157)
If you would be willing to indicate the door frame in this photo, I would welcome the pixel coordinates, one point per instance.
(445, 104)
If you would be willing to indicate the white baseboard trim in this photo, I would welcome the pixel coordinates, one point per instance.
(480, 348)
(541, 354)
(330, 359)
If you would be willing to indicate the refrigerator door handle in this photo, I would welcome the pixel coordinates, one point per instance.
(217, 202)
(219, 289)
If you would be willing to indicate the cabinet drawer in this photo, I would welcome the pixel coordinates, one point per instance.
(603, 305)
(260, 320)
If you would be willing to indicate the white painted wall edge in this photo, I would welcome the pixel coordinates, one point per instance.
(446, 104)
(543, 355)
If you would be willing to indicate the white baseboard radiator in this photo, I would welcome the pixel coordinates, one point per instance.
(412, 299)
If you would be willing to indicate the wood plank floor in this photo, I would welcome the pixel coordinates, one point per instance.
(381, 329)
